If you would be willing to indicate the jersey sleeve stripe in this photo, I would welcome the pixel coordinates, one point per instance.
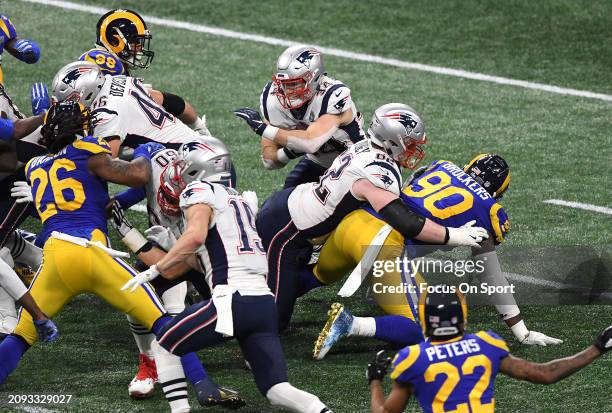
(327, 96)
(264, 100)
(7, 27)
(493, 341)
(90, 147)
(104, 110)
(413, 355)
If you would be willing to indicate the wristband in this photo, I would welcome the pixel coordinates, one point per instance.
(145, 248)
(281, 156)
(270, 132)
(134, 240)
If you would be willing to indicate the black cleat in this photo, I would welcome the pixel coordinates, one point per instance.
(209, 394)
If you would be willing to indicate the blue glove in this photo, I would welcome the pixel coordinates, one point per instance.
(27, 51)
(252, 118)
(47, 331)
(6, 129)
(39, 95)
(147, 150)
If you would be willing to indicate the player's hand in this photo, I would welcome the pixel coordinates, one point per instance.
(467, 234)
(539, 339)
(201, 127)
(147, 150)
(22, 192)
(252, 118)
(141, 278)
(162, 236)
(119, 220)
(377, 369)
(47, 330)
(603, 342)
(27, 51)
(39, 95)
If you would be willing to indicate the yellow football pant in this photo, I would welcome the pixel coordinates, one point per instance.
(69, 269)
(344, 248)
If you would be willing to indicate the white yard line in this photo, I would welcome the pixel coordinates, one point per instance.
(36, 409)
(364, 57)
(579, 205)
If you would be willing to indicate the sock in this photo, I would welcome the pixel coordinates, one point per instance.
(398, 330)
(11, 351)
(193, 368)
(174, 299)
(307, 281)
(296, 400)
(23, 251)
(171, 378)
(142, 336)
(363, 327)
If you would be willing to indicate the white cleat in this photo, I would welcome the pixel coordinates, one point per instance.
(142, 385)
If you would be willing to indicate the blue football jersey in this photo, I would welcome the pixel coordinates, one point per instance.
(67, 196)
(456, 375)
(108, 62)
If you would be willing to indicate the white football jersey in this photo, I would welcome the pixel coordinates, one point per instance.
(232, 253)
(156, 216)
(318, 207)
(124, 108)
(332, 98)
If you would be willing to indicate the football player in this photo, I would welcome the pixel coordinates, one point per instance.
(454, 370)
(220, 239)
(305, 112)
(25, 50)
(70, 193)
(293, 219)
(448, 195)
(122, 45)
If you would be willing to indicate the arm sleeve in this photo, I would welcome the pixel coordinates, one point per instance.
(383, 175)
(108, 124)
(11, 282)
(6, 129)
(92, 145)
(130, 197)
(339, 101)
(7, 29)
(198, 192)
(404, 365)
(403, 219)
(499, 222)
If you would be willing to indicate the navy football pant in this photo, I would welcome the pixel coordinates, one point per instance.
(288, 253)
(304, 171)
(254, 328)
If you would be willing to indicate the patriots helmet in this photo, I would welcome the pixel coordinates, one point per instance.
(491, 171)
(400, 131)
(442, 312)
(63, 123)
(124, 33)
(299, 71)
(204, 159)
(79, 81)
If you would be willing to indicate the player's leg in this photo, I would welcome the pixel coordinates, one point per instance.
(304, 171)
(255, 320)
(23, 251)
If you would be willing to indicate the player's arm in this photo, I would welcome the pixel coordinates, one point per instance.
(20, 128)
(395, 403)
(410, 224)
(135, 173)
(25, 50)
(274, 156)
(180, 108)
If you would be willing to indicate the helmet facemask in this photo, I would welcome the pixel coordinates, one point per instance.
(413, 153)
(170, 187)
(136, 52)
(294, 93)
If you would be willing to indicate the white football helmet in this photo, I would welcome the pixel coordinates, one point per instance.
(400, 130)
(205, 159)
(299, 71)
(79, 81)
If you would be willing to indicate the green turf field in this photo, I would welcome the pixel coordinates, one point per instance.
(559, 147)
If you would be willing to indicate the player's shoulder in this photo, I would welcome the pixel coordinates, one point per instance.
(7, 29)
(335, 97)
(499, 222)
(91, 145)
(271, 107)
(491, 339)
(200, 192)
(108, 62)
(406, 362)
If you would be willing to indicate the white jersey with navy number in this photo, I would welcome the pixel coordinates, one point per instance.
(333, 98)
(232, 253)
(316, 208)
(156, 216)
(124, 108)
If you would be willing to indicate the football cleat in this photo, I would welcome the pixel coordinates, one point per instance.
(338, 325)
(209, 394)
(142, 385)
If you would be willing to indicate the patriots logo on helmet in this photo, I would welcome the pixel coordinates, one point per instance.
(306, 55)
(196, 146)
(405, 119)
(72, 76)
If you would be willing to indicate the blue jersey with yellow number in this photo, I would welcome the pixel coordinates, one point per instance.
(7, 33)
(68, 197)
(455, 375)
(107, 61)
(447, 195)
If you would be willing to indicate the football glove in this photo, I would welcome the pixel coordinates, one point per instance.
(22, 192)
(47, 330)
(130, 236)
(200, 126)
(252, 118)
(147, 150)
(39, 95)
(27, 51)
(467, 234)
(540, 339)
(162, 236)
(377, 369)
(141, 278)
(603, 342)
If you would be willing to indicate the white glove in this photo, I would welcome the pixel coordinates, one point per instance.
(200, 126)
(141, 278)
(467, 234)
(162, 236)
(525, 336)
(22, 192)
(251, 198)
